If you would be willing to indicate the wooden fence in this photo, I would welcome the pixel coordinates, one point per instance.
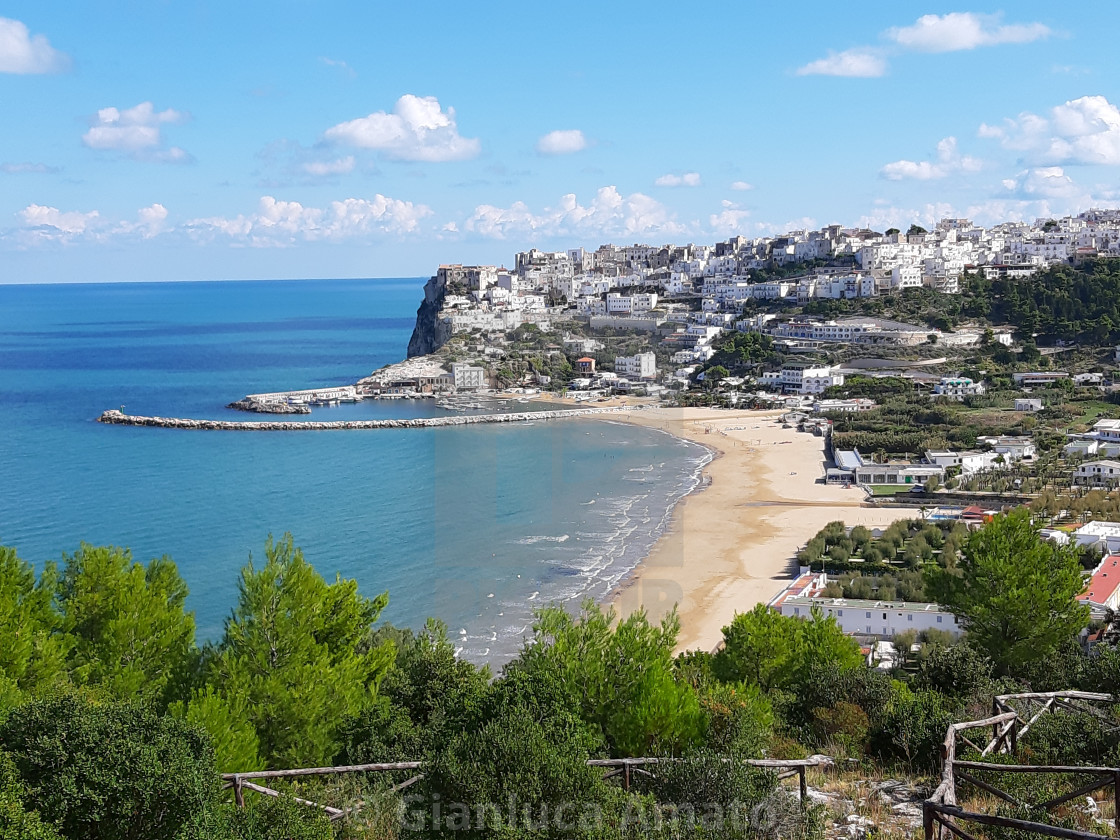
(621, 768)
(1012, 717)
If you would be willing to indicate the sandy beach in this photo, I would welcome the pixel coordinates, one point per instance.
(731, 543)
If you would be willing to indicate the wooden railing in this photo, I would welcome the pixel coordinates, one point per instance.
(1012, 717)
(621, 768)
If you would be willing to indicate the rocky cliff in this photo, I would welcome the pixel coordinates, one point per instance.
(429, 334)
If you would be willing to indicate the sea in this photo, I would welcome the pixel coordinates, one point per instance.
(478, 526)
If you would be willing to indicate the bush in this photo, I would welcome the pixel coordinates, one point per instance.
(264, 818)
(508, 775)
(110, 770)
(739, 718)
(914, 728)
(845, 722)
(16, 822)
(959, 671)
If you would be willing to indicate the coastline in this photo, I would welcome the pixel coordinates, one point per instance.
(731, 541)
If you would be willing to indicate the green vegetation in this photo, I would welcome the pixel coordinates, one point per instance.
(739, 352)
(908, 544)
(909, 424)
(304, 674)
(1064, 302)
(1015, 590)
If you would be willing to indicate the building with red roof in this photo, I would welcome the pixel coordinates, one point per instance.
(1103, 588)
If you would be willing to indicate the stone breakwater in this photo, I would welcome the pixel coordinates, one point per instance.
(116, 418)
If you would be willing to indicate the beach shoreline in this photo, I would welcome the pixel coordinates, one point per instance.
(731, 541)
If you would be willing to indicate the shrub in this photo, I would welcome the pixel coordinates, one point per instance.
(16, 822)
(502, 778)
(914, 728)
(959, 671)
(108, 771)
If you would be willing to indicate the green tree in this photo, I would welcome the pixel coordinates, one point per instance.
(765, 648)
(109, 771)
(1015, 592)
(227, 720)
(761, 648)
(621, 678)
(428, 694)
(297, 655)
(714, 375)
(33, 651)
(131, 634)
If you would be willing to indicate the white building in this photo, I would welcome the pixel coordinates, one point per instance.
(823, 406)
(898, 473)
(1107, 430)
(1103, 535)
(969, 462)
(882, 619)
(1011, 447)
(640, 366)
(1097, 474)
(1028, 405)
(806, 378)
(468, 377)
(957, 388)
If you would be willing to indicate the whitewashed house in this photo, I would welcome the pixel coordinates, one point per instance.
(1097, 474)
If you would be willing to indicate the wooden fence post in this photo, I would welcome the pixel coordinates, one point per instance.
(238, 794)
(1116, 799)
(927, 821)
(626, 776)
(801, 782)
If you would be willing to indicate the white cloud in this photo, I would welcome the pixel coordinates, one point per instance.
(741, 185)
(25, 167)
(688, 179)
(50, 223)
(949, 161)
(1080, 131)
(22, 53)
(608, 214)
(562, 142)
(326, 168)
(1047, 182)
(963, 31)
(861, 62)
(340, 65)
(882, 218)
(150, 221)
(279, 223)
(418, 129)
(137, 132)
(931, 34)
(728, 220)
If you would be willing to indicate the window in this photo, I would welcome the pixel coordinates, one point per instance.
(939, 619)
(910, 616)
(884, 616)
(839, 612)
(797, 611)
(868, 616)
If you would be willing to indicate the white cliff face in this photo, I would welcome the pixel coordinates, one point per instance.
(430, 333)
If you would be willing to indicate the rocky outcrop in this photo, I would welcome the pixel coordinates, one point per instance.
(430, 333)
(116, 418)
(261, 407)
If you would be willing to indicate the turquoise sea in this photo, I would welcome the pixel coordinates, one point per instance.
(475, 525)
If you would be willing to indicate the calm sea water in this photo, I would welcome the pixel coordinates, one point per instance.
(475, 525)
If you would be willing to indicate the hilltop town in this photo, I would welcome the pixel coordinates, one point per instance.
(683, 298)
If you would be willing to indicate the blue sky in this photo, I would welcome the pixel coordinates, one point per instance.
(153, 139)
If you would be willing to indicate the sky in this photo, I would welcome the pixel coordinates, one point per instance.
(205, 140)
